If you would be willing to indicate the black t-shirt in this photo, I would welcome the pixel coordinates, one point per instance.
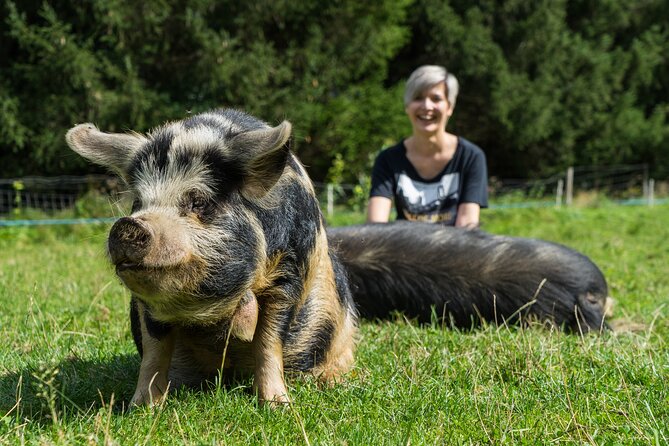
(463, 180)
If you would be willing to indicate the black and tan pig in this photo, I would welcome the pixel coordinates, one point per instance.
(224, 251)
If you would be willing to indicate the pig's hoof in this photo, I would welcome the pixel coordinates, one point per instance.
(141, 399)
(277, 401)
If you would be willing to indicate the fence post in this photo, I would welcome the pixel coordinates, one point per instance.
(559, 192)
(570, 186)
(330, 195)
(651, 192)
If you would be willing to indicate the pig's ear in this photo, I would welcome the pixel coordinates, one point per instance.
(112, 150)
(267, 151)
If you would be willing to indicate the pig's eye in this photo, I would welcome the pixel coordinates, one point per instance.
(197, 204)
(136, 205)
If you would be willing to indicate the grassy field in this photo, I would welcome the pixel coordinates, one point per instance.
(68, 364)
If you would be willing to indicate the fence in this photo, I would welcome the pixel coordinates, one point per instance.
(59, 200)
(623, 184)
(52, 194)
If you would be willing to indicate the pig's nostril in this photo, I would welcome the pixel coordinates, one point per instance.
(142, 237)
(133, 235)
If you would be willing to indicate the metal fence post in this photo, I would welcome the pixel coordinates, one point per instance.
(330, 195)
(570, 186)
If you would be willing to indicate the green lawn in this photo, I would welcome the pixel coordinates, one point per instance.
(68, 364)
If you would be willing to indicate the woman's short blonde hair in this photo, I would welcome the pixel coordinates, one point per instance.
(427, 76)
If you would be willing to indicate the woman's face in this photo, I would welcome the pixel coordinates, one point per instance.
(429, 112)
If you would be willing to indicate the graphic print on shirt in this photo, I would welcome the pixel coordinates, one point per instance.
(433, 202)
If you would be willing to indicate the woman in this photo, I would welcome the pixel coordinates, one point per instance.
(432, 175)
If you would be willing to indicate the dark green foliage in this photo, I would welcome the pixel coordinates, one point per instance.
(544, 84)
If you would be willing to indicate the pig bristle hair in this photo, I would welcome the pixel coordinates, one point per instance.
(156, 187)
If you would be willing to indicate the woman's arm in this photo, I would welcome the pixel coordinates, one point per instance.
(468, 215)
(378, 210)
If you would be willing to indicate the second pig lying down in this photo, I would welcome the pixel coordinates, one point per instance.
(467, 277)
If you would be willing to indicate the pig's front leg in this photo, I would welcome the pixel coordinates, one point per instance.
(157, 346)
(268, 380)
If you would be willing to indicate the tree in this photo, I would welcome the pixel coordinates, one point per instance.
(544, 84)
(132, 65)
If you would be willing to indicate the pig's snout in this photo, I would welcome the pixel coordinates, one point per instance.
(129, 242)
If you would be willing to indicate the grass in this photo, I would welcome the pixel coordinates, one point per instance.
(68, 364)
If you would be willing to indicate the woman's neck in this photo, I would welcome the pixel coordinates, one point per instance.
(441, 145)
(429, 155)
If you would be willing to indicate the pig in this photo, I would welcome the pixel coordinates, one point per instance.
(465, 277)
(225, 255)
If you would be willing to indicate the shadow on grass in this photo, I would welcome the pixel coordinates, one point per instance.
(74, 387)
(77, 388)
